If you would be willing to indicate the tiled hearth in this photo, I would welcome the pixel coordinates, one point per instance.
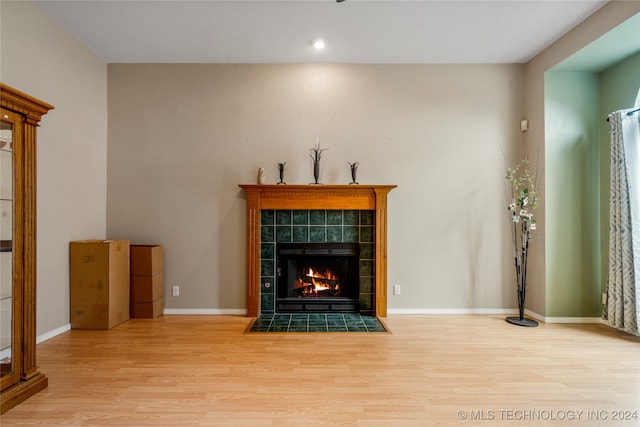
(317, 323)
(316, 226)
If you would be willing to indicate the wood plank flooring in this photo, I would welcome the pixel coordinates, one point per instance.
(429, 371)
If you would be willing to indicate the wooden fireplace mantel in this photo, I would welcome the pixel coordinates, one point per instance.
(328, 197)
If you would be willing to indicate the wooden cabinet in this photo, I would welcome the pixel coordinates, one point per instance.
(19, 374)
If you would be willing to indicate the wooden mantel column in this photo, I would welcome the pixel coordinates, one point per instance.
(309, 197)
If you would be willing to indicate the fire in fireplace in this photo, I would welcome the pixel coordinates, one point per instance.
(317, 283)
(317, 277)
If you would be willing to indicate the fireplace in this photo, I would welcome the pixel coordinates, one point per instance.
(264, 200)
(317, 277)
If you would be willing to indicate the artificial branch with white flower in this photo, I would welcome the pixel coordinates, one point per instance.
(524, 200)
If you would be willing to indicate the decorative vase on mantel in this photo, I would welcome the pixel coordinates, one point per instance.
(316, 155)
(354, 172)
(524, 201)
(260, 178)
(281, 169)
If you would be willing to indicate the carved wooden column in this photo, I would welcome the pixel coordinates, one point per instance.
(253, 252)
(381, 252)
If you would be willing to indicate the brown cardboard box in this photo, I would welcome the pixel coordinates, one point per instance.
(147, 310)
(146, 260)
(99, 283)
(146, 288)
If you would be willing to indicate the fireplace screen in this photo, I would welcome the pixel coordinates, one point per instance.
(317, 277)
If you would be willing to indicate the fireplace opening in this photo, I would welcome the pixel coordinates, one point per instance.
(317, 277)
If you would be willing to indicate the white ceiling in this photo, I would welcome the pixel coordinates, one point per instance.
(357, 31)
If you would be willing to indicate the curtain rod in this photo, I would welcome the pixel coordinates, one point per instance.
(630, 113)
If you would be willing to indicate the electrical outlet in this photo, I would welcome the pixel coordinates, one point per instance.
(396, 289)
(604, 298)
(175, 291)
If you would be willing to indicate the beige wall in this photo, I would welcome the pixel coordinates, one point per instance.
(182, 137)
(603, 20)
(39, 58)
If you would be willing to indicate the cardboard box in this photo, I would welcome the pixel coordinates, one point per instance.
(99, 283)
(147, 310)
(146, 260)
(146, 288)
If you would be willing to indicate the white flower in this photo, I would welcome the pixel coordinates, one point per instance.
(532, 226)
(527, 216)
(515, 218)
(525, 201)
(512, 206)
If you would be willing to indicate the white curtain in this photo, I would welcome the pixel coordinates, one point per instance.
(623, 291)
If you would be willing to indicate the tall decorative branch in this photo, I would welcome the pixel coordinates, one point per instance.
(524, 201)
(316, 155)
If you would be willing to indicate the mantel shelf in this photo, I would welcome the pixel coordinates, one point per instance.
(311, 196)
(320, 187)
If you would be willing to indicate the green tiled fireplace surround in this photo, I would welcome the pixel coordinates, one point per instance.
(316, 226)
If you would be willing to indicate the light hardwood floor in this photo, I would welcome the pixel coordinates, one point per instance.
(430, 371)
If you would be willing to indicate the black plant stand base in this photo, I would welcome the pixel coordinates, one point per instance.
(522, 322)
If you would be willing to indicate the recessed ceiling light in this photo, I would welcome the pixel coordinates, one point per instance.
(318, 44)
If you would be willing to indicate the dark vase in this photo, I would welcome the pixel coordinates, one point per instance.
(354, 172)
(281, 168)
(316, 171)
(316, 155)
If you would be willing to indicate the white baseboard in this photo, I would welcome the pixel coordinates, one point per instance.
(535, 315)
(574, 320)
(498, 311)
(209, 311)
(53, 333)
(451, 311)
(577, 320)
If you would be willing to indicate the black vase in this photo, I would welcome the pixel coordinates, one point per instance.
(316, 171)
